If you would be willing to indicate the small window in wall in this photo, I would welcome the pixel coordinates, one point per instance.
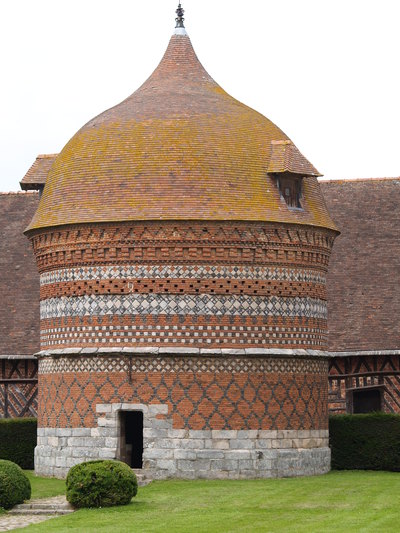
(367, 400)
(290, 189)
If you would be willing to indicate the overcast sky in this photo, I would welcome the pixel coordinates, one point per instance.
(325, 71)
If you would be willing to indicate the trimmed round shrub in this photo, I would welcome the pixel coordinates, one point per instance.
(15, 486)
(101, 484)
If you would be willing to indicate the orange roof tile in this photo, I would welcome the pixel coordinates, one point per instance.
(286, 157)
(179, 148)
(37, 174)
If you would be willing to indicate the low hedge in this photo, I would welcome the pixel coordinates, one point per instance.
(15, 486)
(365, 442)
(18, 440)
(101, 483)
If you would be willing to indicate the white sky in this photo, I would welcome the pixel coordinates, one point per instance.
(327, 72)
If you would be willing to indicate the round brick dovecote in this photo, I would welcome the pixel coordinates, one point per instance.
(186, 340)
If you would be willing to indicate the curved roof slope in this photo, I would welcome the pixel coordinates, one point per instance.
(179, 148)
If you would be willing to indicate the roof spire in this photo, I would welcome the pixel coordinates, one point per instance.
(179, 19)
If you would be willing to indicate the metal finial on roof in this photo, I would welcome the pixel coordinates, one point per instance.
(179, 19)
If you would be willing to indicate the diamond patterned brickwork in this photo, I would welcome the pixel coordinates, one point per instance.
(177, 304)
(168, 272)
(204, 393)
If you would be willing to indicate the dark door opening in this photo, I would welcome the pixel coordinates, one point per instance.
(367, 401)
(131, 446)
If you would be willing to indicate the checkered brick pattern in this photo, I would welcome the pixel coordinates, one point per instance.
(198, 330)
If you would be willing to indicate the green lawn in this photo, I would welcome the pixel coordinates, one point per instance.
(45, 487)
(340, 501)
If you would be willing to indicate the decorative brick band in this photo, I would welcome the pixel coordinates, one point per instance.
(163, 364)
(285, 289)
(180, 242)
(201, 392)
(204, 331)
(174, 304)
(250, 272)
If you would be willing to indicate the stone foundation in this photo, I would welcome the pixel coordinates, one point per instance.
(187, 454)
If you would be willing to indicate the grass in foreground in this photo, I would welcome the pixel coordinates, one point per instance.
(340, 501)
(45, 487)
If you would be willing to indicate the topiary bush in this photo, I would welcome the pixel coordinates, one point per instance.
(15, 486)
(101, 484)
(365, 441)
(18, 440)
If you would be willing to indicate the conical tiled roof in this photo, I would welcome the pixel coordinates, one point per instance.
(178, 148)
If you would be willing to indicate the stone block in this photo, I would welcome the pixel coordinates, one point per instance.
(161, 424)
(239, 455)
(164, 444)
(263, 444)
(224, 433)
(179, 351)
(153, 433)
(110, 442)
(200, 434)
(105, 453)
(93, 442)
(242, 444)
(224, 464)
(76, 441)
(220, 444)
(198, 464)
(178, 433)
(107, 432)
(167, 464)
(281, 443)
(156, 453)
(209, 454)
(188, 444)
(158, 409)
(247, 434)
(65, 432)
(84, 453)
(103, 408)
(134, 407)
(184, 454)
(267, 434)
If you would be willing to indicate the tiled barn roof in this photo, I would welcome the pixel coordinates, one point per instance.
(19, 310)
(179, 148)
(364, 273)
(37, 174)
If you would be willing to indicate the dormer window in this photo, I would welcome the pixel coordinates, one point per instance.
(290, 168)
(290, 189)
